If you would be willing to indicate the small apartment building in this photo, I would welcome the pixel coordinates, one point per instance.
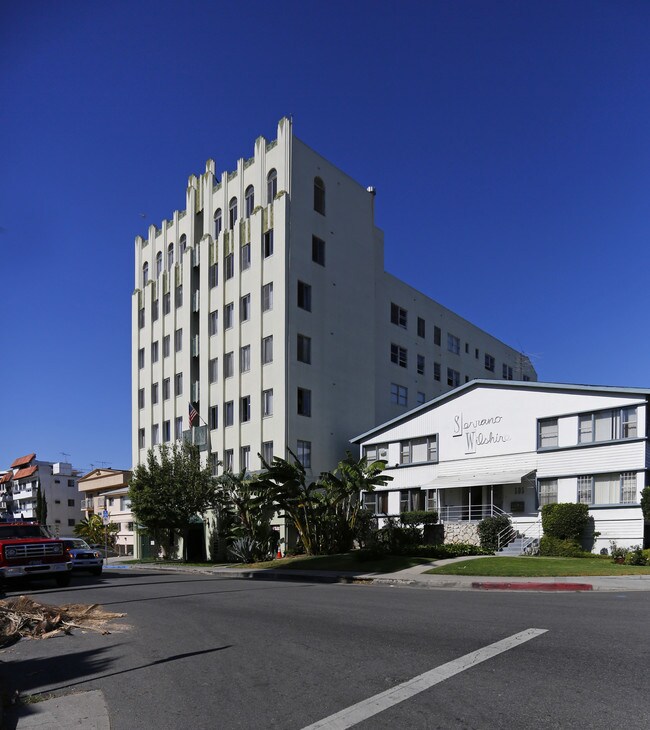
(58, 483)
(492, 447)
(108, 489)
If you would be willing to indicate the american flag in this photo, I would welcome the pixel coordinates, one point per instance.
(194, 414)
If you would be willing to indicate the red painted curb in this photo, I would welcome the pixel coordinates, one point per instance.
(534, 586)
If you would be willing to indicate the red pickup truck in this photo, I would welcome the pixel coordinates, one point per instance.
(26, 550)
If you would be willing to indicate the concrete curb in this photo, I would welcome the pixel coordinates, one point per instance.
(531, 586)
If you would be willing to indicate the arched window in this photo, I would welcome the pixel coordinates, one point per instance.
(158, 264)
(182, 245)
(232, 213)
(170, 256)
(319, 196)
(249, 198)
(218, 223)
(145, 273)
(271, 186)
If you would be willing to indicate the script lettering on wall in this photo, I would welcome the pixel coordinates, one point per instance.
(478, 432)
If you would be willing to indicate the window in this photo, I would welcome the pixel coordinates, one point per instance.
(267, 402)
(228, 460)
(547, 491)
(267, 349)
(213, 275)
(375, 502)
(178, 384)
(141, 398)
(178, 340)
(159, 264)
(398, 315)
(180, 250)
(271, 186)
(437, 336)
(214, 464)
(506, 372)
(167, 431)
(376, 452)
(411, 500)
(166, 388)
(420, 364)
(421, 327)
(420, 450)
(453, 377)
(547, 433)
(167, 303)
(213, 417)
(170, 256)
(154, 310)
(213, 322)
(178, 428)
(620, 423)
(304, 402)
(398, 355)
(228, 365)
(213, 370)
(166, 341)
(155, 436)
(245, 259)
(154, 351)
(249, 200)
(228, 312)
(145, 273)
(489, 362)
(71, 522)
(245, 308)
(267, 297)
(318, 250)
(467, 348)
(304, 453)
(244, 359)
(304, 296)
(304, 349)
(218, 223)
(319, 196)
(178, 296)
(267, 452)
(141, 438)
(141, 318)
(232, 213)
(229, 266)
(228, 413)
(420, 398)
(398, 394)
(245, 458)
(436, 371)
(453, 344)
(267, 244)
(154, 394)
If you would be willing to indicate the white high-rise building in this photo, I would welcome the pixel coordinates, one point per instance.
(266, 305)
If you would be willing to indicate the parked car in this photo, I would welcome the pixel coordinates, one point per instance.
(106, 553)
(83, 556)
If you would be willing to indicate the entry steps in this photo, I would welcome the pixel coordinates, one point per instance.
(520, 546)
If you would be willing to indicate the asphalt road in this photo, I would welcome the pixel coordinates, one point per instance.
(198, 651)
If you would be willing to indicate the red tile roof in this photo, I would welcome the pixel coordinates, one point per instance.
(22, 473)
(23, 460)
(6, 477)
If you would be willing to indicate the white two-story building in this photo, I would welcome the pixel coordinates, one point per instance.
(490, 447)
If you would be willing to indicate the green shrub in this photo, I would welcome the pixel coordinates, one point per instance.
(646, 555)
(550, 546)
(451, 550)
(392, 539)
(635, 556)
(645, 503)
(419, 517)
(565, 521)
(489, 529)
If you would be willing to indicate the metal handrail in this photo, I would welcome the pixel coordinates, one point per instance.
(509, 533)
(467, 513)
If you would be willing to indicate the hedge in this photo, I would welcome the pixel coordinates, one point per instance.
(419, 517)
(489, 530)
(565, 521)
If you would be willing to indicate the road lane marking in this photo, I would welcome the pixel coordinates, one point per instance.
(374, 705)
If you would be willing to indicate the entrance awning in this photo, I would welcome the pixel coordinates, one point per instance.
(477, 480)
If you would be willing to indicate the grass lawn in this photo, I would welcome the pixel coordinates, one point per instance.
(537, 567)
(345, 561)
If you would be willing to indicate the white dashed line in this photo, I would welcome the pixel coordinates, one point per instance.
(374, 705)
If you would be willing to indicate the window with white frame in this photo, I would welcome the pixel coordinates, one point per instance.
(141, 358)
(229, 266)
(244, 358)
(213, 323)
(178, 296)
(398, 315)
(159, 264)
(267, 244)
(431, 500)
(411, 500)
(228, 413)
(170, 256)
(245, 458)
(166, 389)
(213, 417)
(398, 394)
(228, 460)
(167, 303)
(178, 384)
(547, 434)
(218, 223)
(398, 355)
(245, 259)
(155, 437)
(453, 344)
(154, 393)
(178, 428)
(304, 453)
(145, 273)
(547, 491)
(167, 431)
(419, 450)
(228, 315)
(245, 308)
(228, 365)
(232, 213)
(267, 402)
(267, 451)
(166, 341)
(214, 464)
(271, 186)
(141, 398)
(376, 452)
(249, 200)
(213, 370)
(141, 318)
(267, 350)
(154, 310)
(213, 275)
(178, 340)
(267, 297)
(245, 409)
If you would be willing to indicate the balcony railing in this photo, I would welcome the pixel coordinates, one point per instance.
(468, 513)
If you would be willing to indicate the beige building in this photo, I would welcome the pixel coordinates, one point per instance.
(265, 304)
(108, 490)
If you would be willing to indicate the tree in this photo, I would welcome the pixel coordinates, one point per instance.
(169, 490)
(93, 531)
(41, 506)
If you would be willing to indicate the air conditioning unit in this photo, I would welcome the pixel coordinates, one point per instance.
(382, 454)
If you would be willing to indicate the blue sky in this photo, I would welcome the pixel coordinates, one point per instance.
(508, 142)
